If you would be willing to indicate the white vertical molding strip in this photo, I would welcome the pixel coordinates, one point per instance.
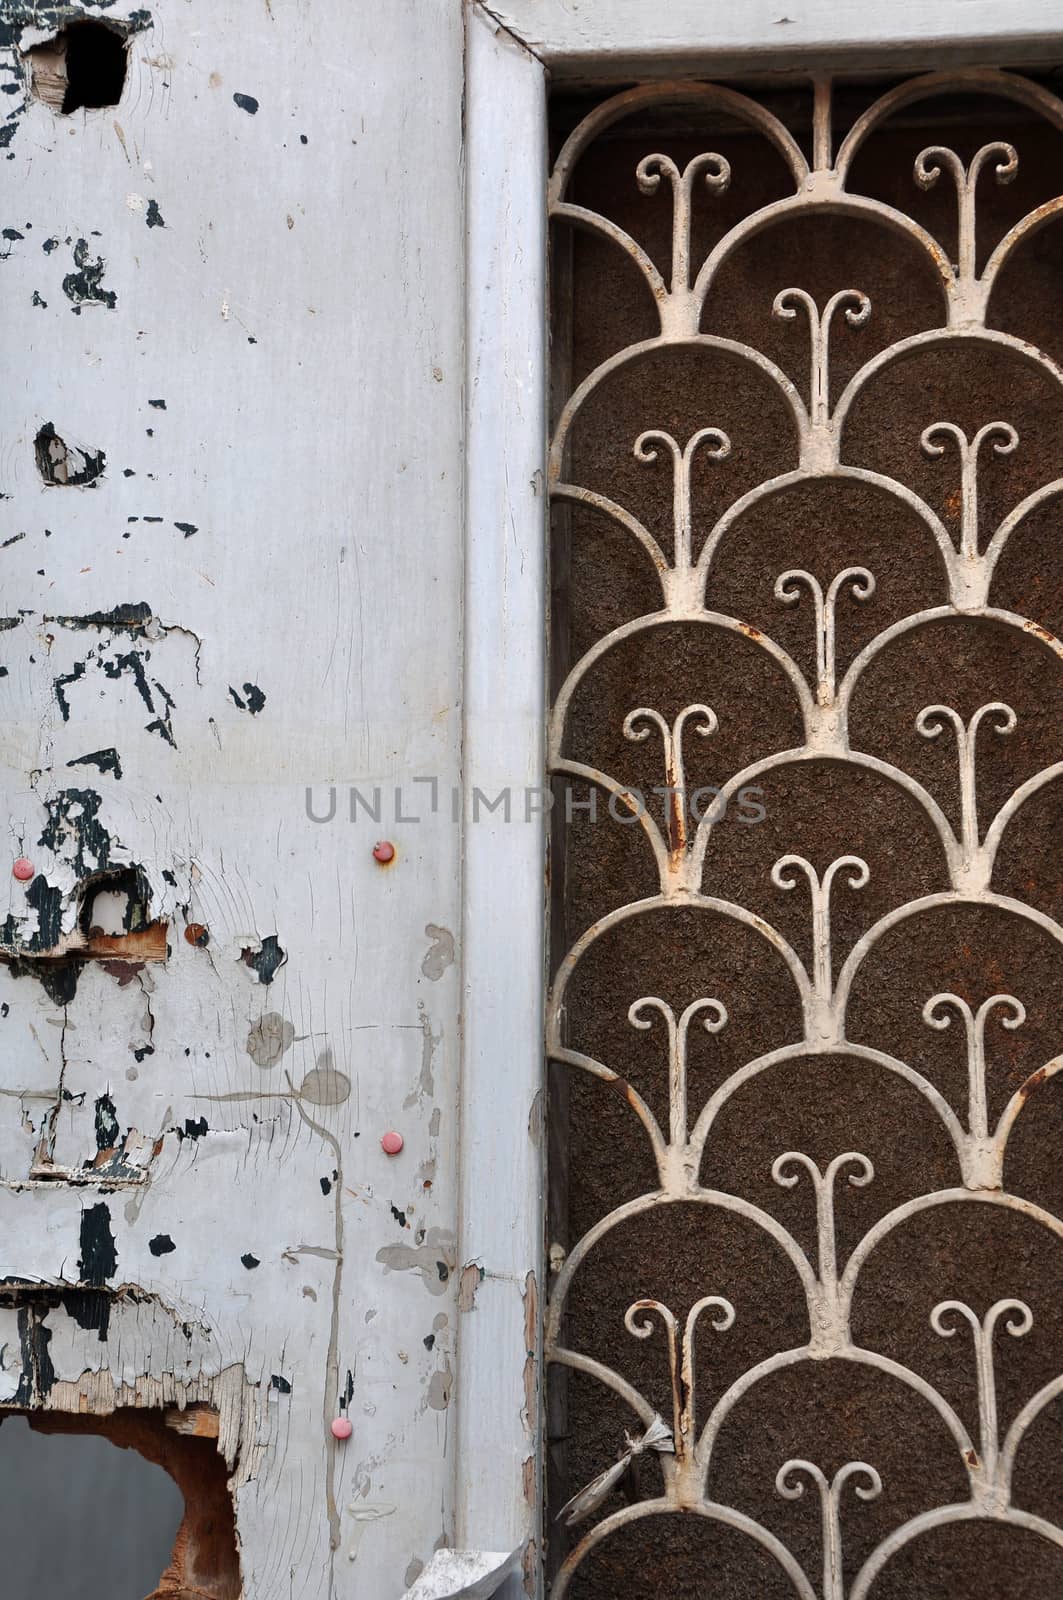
(499, 1445)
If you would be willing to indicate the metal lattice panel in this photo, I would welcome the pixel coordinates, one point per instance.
(807, 1305)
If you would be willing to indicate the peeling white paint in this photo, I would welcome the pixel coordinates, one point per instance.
(254, 504)
(464, 1575)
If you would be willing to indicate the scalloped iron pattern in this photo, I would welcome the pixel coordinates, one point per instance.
(890, 973)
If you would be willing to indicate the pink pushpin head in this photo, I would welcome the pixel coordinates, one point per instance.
(384, 851)
(392, 1143)
(342, 1427)
(23, 869)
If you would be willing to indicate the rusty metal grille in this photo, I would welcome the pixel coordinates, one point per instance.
(805, 1327)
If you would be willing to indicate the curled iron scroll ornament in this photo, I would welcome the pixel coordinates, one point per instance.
(682, 1430)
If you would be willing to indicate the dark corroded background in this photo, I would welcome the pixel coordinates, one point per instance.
(830, 1412)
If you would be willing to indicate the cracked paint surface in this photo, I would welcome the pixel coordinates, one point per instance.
(210, 1007)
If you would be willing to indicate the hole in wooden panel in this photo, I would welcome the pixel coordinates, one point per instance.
(83, 67)
(150, 1518)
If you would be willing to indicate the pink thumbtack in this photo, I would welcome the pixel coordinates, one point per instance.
(342, 1428)
(392, 1143)
(384, 851)
(23, 869)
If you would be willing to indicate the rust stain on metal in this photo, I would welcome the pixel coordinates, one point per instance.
(1040, 632)
(1034, 1081)
(628, 1092)
(677, 822)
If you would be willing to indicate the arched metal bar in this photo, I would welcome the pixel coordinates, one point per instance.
(859, 1357)
(594, 222)
(675, 93)
(928, 1202)
(940, 1517)
(995, 548)
(576, 1058)
(712, 1513)
(974, 80)
(838, 472)
(658, 902)
(843, 756)
(640, 814)
(1013, 804)
(905, 348)
(827, 201)
(810, 1050)
(1022, 1423)
(574, 494)
(634, 353)
(923, 619)
(715, 1198)
(658, 619)
(1020, 1100)
(559, 1356)
(927, 903)
(1024, 229)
